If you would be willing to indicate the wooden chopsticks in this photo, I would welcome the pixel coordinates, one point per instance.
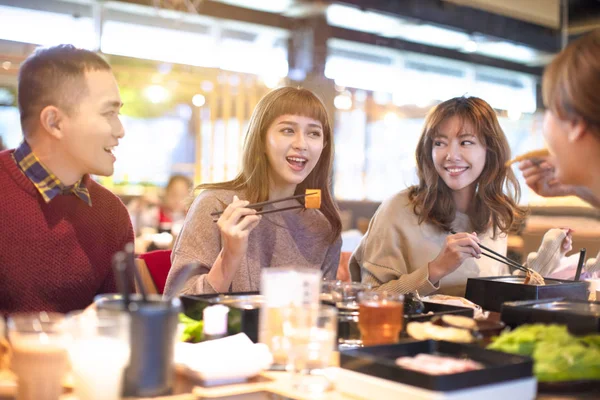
(499, 257)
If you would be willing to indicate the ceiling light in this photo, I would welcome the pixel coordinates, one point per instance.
(470, 46)
(198, 100)
(271, 81)
(342, 102)
(156, 94)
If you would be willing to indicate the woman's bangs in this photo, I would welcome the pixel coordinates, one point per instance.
(301, 103)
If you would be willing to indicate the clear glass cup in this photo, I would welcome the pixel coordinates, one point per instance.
(345, 297)
(381, 317)
(3, 345)
(328, 289)
(284, 287)
(345, 294)
(99, 351)
(311, 336)
(39, 355)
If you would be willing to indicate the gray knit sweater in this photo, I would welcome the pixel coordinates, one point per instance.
(295, 238)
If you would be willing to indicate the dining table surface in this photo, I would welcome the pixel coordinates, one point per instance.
(270, 385)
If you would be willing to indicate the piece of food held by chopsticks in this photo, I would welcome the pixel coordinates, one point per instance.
(542, 153)
(312, 199)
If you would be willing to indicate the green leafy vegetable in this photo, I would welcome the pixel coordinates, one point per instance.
(557, 355)
(193, 331)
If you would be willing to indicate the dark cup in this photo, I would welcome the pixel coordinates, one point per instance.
(153, 334)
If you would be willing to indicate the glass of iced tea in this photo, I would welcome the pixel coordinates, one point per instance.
(39, 355)
(381, 316)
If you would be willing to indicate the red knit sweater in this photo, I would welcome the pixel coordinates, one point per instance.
(56, 256)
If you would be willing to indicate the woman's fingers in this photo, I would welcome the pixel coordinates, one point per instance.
(469, 242)
(234, 217)
(469, 251)
(248, 223)
(235, 204)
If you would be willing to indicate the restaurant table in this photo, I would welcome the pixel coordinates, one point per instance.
(270, 385)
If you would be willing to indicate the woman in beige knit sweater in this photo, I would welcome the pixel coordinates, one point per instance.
(461, 158)
(288, 149)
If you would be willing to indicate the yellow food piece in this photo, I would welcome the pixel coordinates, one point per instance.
(427, 330)
(459, 321)
(313, 198)
(532, 154)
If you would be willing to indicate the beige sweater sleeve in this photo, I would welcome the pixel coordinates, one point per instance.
(383, 252)
(199, 241)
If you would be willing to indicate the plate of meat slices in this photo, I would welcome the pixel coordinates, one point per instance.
(437, 365)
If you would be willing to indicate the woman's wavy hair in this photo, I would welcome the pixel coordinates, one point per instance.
(492, 207)
(253, 179)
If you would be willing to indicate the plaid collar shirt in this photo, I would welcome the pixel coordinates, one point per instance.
(47, 184)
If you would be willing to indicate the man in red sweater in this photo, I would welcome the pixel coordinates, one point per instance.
(60, 228)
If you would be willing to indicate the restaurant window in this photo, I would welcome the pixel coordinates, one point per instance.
(381, 106)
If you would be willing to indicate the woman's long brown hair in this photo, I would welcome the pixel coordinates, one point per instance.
(491, 207)
(253, 179)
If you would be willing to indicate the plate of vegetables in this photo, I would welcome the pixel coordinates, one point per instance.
(562, 362)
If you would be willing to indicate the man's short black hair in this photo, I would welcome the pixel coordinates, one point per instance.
(54, 76)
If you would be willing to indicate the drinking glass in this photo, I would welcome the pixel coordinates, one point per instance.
(345, 294)
(345, 297)
(39, 356)
(311, 335)
(153, 334)
(284, 287)
(381, 317)
(99, 352)
(328, 289)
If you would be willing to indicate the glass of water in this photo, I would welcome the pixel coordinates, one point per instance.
(99, 352)
(311, 335)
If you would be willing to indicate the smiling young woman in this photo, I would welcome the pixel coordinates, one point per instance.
(288, 149)
(461, 159)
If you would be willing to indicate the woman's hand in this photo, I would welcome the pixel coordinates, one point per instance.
(541, 179)
(235, 225)
(567, 243)
(457, 248)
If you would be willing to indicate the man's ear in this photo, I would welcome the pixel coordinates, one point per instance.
(52, 119)
(576, 130)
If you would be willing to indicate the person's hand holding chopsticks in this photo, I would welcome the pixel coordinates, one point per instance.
(235, 225)
(540, 177)
(456, 249)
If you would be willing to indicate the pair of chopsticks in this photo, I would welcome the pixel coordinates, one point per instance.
(500, 258)
(124, 267)
(265, 203)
